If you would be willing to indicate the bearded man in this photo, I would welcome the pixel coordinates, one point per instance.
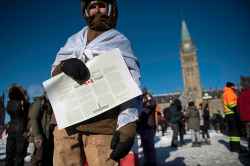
(108, 137)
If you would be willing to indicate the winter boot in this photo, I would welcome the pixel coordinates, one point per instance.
(196, 144)
(174, 145)
(208, 142)
(248, 146)
(182, 143)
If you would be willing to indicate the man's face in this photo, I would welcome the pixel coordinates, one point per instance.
(100, 16)
(95, 7)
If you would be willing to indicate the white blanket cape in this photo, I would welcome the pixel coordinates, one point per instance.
(77, 47)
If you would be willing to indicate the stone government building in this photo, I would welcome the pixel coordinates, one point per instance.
(191, 78)
(190, 67)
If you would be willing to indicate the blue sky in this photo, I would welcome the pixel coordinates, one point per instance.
(32, 31)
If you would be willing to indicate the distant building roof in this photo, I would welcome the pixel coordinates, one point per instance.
(165, 98)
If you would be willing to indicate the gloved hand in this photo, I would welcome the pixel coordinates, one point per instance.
(122, 141)
(76, 69)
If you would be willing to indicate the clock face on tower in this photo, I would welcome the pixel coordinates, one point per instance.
(187, 46)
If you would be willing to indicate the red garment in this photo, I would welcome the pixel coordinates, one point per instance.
(244, 105)
(131, 159)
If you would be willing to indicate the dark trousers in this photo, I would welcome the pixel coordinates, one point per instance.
(178, 129)
(233, 132)
(147, 141)
(204, 131)
(181, 131)
(43, 156)
(15, 149)
(175, 129)
(163, 127)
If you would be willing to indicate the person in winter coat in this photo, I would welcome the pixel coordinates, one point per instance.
(41, 129)
(146, 128)
(205, 122)
(193, 116)
(232, 116)
(2, 115)
(244, 108)
(17, 108)
(2, 111)
(217, 121)
(175, 119)
(160, 120)
(108, 137)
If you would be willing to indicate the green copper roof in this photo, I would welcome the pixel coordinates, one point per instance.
(184, 32)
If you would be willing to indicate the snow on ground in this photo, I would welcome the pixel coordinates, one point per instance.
(216, 154)
(3, 142)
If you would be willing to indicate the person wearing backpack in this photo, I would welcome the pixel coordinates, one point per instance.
(40, 114)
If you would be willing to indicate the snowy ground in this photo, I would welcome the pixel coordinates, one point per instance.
(216, 154)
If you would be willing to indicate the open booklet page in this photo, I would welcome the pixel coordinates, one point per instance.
(111, 84)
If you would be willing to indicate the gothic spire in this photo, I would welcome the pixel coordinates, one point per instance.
(185, 36)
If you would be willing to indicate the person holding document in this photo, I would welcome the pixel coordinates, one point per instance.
(107, 137)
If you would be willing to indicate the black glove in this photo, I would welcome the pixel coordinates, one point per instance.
(76, 69)
(122, 141)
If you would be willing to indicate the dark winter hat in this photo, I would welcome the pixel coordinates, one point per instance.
(17, 92)
(85, 3)
(230, 84)
(245, 82)
(191, 103)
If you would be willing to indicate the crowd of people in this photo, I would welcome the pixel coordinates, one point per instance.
(197, 120)
(31, 130)
(108, 138)
(237, 111)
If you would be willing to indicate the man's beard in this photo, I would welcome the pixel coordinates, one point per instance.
(100, 22)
